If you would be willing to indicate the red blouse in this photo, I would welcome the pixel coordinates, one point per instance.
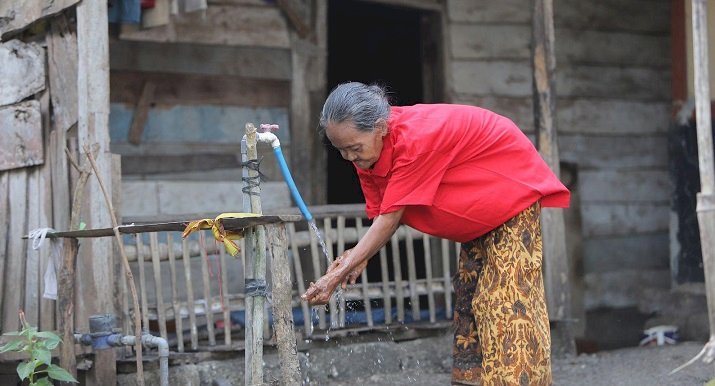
(459, 171)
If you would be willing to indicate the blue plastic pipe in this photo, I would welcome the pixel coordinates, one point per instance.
(291, 184)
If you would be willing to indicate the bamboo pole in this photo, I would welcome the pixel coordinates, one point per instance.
(255, 302)
(552, 220)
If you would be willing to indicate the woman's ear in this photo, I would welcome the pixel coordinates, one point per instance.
(381, 127)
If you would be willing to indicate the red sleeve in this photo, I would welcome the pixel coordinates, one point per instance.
(414, 180)
(372, 196)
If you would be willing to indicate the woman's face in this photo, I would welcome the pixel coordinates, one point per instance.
(360, 147)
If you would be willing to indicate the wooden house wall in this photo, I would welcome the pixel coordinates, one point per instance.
(208, 74)
(613, 112)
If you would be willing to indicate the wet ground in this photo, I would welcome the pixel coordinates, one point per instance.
(629, 367)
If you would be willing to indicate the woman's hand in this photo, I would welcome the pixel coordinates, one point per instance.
(339, 271)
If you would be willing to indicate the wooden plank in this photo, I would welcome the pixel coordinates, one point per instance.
(397, 274)
(207, 291)
(190, 295)
(485, 11)
(178, 318)
(44, 201)
(334, 316)
(4, 237)
(21, 142)
(246, 62)
(620, 219)
(412, 276)
(519, 109)
(22, 71)
(141, 113)
(631, 252)
(16, 250)
(175, 89)
(634, 15)
(428, 276)
(341, 249)
(585, 116)
(622, 288)
(17, 15)
(470, 41)
(300, 283)
(363, 278)
(158, 285)
(142, 283)
(582, 45)
(605, 81)
(610, 152)
(60, 180)
(225, 301)
(633, 186)
(31, 276)
(241, 26)
(62, 70)
(298, 13)
(495, 78)
(317, 273)
(195, 5)
(447, 278)
(229, 224)
(385, 276)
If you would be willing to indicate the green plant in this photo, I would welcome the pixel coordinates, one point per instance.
(38, 369)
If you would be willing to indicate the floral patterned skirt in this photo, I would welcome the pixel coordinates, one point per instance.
(502, 327)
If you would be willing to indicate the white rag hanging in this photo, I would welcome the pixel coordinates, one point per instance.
(54, 262)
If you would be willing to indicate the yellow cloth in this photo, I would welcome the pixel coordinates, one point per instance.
(220, 234)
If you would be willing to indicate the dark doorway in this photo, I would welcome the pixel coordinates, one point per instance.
(395, 47)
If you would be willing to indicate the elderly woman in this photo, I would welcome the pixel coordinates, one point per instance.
(465, 174)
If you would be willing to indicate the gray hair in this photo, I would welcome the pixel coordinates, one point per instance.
(355, 102)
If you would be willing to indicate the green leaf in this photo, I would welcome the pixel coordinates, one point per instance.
(51, 339)
(15, 345)
(60, 374)
(42, 354)
(82, 225)
(12, 333)
(24, 369)
(45, 381)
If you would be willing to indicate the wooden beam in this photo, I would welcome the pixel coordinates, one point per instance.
(62, 69)
(556, 273)
(141, 113)
(17, 15)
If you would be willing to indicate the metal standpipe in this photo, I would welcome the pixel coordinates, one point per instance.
(104, 334)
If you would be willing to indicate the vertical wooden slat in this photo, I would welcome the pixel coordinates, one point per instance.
(4, 235)
(412, 274)
(315, 255)
(207, 290)
(447, 278)
(15, 264)
(47, 306)
(341, 249)
(397, 268)
(334, 317)
(156, 265)
(298, 267)
(32, 257)
(186, 257)
(385, 276)
(225, 298)
(428, 273)
(363, 276)
(127, 319)
(175, 293)
(142, 282)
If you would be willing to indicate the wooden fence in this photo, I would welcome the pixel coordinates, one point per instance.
(192, 292)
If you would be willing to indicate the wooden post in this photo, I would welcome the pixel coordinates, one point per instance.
(282, 310)
(96, 287)
(255, 303)
(706, 198)
(552, 220)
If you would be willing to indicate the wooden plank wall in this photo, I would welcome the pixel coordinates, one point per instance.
(613, 112)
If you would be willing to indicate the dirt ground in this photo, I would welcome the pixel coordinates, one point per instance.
(647, 366)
